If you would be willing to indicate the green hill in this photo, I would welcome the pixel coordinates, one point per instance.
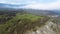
(21, 23)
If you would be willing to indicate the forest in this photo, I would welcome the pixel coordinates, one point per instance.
(18, 22)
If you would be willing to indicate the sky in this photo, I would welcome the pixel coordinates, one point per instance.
(35, 4)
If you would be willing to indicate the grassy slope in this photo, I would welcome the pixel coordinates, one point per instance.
(20, 23)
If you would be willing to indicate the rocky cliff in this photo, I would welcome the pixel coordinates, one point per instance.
(49, 28)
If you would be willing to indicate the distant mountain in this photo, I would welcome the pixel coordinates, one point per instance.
(2, 5)
(42, 12)
(10, 7)
(33, 11)
(57, 11)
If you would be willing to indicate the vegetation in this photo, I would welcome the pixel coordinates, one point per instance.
(20, 22)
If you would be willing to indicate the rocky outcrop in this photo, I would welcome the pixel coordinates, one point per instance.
(49, 28)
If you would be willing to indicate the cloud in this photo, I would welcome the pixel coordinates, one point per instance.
(17, 1)
(25, 1)
(35, 4)
(47, 6)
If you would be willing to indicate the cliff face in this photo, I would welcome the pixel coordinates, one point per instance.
(49, 28)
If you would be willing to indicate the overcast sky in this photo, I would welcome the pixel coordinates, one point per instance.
(35, 4)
